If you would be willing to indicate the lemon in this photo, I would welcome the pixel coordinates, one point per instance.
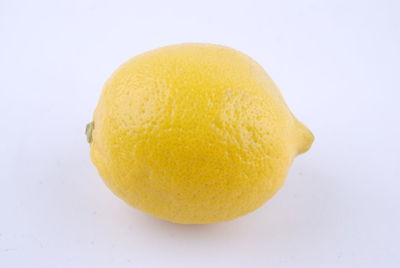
(194, 133)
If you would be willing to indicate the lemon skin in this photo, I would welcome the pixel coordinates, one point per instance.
(194, 133)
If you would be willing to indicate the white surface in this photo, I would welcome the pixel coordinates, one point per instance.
(337, 64)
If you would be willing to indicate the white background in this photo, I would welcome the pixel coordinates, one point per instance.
(337, 64)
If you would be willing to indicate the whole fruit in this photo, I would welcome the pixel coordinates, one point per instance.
(194, 133)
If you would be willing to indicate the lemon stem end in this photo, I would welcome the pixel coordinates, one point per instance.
(88, 131)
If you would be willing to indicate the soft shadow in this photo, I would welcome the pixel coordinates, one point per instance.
(303, 209)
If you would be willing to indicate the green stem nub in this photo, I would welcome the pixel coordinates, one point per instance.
(88, 131)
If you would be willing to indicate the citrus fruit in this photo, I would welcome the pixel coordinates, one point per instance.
(194, 133)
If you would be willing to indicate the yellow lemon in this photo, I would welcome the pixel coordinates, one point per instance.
(194, 133)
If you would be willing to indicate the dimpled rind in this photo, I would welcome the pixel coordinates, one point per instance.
(194, 133)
